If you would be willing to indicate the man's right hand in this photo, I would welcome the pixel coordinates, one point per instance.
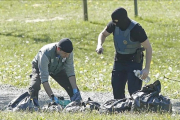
(54, 99)
(99, 49)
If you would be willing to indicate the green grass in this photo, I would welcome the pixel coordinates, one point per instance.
(21, 38)
(86, 116)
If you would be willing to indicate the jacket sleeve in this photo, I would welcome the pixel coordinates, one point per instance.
(69, 66)
(43, 67)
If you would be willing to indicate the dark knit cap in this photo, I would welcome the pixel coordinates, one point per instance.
(66, 45)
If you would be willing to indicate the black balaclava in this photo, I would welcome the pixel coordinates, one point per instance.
(66, 45)
(120, 14)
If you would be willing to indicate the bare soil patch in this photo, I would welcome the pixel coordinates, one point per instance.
(8, 93)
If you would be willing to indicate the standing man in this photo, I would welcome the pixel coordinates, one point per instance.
(128, 38)
(55, 60)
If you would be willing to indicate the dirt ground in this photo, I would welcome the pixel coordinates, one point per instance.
(8, 93)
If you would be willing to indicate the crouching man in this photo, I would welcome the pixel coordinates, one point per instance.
(55, 60)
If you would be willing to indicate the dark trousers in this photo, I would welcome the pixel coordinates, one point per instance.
(122, 73)
(61, 78)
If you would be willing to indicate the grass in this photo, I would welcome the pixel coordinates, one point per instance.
(86, 116)
(21, 37)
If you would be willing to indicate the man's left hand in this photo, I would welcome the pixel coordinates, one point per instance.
(76, 97)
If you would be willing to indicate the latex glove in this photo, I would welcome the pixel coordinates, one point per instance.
(76, 97)
(36, 103)
(75, 90)
(56, 100)
(99, 49)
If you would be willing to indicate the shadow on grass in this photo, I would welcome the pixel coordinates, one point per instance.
(19, 34)
(159, 22)
(97, 23)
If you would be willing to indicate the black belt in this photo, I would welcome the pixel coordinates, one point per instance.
(123, 57)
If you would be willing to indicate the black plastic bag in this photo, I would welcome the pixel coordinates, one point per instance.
(116, 106)
(81, 106)
(92, 105)
(22, 103)
(52, 107)
(149, 99)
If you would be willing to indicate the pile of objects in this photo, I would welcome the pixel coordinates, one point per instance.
(145, 100)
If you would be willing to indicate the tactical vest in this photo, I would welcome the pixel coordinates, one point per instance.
(122, 41)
